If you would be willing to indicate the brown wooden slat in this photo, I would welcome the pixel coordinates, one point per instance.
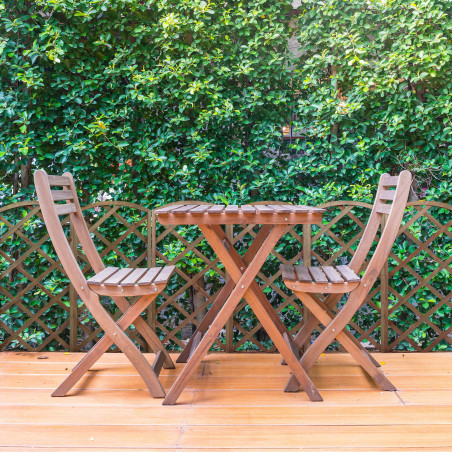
(115, 279)
(62, 195)
(134, 277)
(318, 275)
(231, 209)
(149, 276)
(215, 210)
(262, 208)
(64, 209)
(387, 195)
(332, 275)
(383, 208)
(58, 181)
(304, 209)
(278, 208)
(184, 209)
(166, 210)
(348, 274)
(288, 272)
(248, 209)
(303, 274)
(165, 274)
(199, 210)
(100, 277)
(390, 181)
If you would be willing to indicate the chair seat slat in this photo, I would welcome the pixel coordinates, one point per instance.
(64, 209)
(100, 277)
(149, 276)
(347, 273)
(117, 277)
(303, 274)
(62, 195)
(166, 209)
(164, 274)
(287, 272)
(182, 210)
(333, 276)
(133, 277)
(318, 275)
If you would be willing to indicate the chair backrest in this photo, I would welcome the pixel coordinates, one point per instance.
(391, 199)
(51, 211)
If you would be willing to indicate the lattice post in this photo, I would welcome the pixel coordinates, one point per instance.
(307, 252)
(73, 305)
(229, 336)
(384, 299)
(151, 248)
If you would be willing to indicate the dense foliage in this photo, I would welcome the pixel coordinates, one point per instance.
(186, 99)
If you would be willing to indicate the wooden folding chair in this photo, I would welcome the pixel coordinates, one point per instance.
(391, 198)
(111, 281)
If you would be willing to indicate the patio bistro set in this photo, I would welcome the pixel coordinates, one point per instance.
(275, 221)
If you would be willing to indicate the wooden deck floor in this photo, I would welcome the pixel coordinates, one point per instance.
(234, 402)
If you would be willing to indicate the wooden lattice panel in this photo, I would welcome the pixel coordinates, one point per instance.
(407, 309)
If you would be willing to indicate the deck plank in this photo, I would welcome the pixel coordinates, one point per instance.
(233, 402)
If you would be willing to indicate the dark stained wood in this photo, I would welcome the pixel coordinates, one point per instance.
(317, 275)
(332, 275)
(149, 276)
(303, 274)
(133, 277)
(348, 274)
(288, 272)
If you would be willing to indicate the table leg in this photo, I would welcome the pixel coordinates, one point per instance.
(227, 309)
(261, 306)
(224, 294)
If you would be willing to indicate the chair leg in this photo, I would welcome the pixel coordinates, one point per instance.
(147, 332)
(334, 329)
(312, 323)
(116, 331)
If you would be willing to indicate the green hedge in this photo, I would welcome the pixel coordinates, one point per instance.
(177, 99)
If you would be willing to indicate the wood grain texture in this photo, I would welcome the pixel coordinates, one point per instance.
(112, 414)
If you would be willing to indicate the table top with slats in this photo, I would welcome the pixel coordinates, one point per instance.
(232, 214)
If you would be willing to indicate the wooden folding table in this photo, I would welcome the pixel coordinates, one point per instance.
(276, 220)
